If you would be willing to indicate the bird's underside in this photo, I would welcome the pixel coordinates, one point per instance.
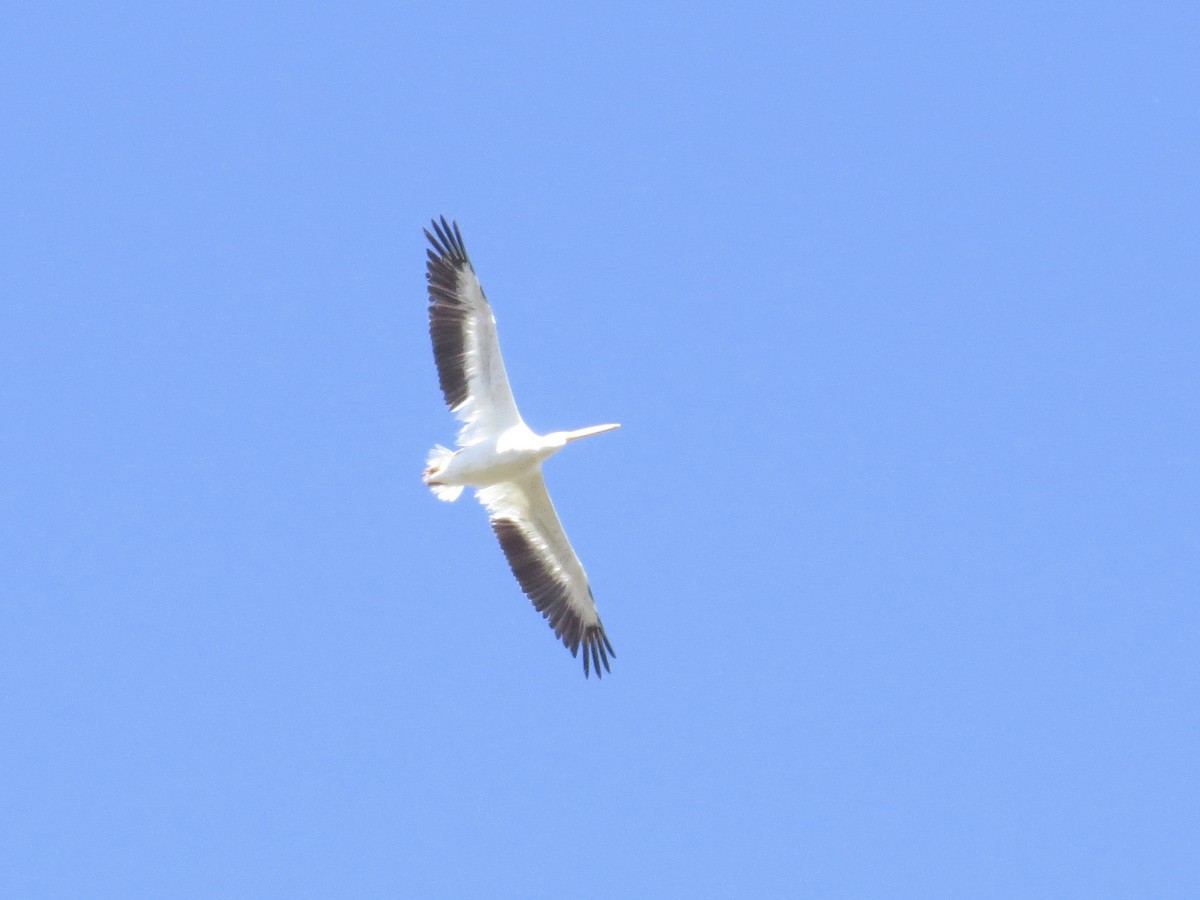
(499, 456)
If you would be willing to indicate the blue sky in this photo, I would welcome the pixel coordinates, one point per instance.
(897, 547)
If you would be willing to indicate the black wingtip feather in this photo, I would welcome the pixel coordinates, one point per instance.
(448, 241)
(596, 651)
(448, 314)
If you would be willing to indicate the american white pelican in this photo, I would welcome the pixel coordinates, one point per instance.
(499, 455)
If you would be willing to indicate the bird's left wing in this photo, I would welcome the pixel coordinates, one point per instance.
(546, 567)
(465, 345)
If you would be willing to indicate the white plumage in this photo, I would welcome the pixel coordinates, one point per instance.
(499, 455)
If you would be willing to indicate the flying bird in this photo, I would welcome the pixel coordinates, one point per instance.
(500, 456)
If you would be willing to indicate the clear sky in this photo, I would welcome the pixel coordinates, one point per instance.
(899, 546)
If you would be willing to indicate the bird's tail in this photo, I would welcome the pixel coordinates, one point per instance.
(437, 460)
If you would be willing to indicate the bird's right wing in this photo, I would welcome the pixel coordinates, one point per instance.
(546, 567)
(465, 345)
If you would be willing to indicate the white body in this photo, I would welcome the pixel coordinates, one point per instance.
(507, 456)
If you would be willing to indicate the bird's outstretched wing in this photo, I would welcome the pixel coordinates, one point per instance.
(465, 346)
(546, 567)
